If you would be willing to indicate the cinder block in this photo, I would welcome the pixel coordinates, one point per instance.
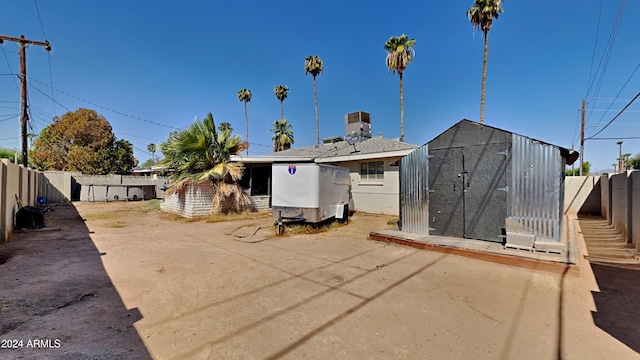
(520, 240)
(550, 247)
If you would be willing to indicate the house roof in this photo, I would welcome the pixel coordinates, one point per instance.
(375, 147)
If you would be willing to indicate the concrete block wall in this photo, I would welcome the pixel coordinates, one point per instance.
(261, 202)
(16, 181)
(620, 203)
(193, 202)
(635, 208)
(605, 197)
(582, 195)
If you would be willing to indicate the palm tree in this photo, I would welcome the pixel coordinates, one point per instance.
(281, 92)
(481, 15)
(282, 135)
(313, 65)
(244, 95)
(152, 149)
(399, 54)
(200, 154)
(225, 126)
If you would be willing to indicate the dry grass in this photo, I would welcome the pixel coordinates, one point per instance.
(150, 206)
(115, 224)
(312, 228)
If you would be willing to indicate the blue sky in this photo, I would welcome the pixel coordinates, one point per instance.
(167, 62)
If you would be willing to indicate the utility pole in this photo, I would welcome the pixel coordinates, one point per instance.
(23, 82)
(620, 161)
(582, 139)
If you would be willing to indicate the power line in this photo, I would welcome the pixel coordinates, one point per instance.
(40, 19)
(4, 52)
(615, 117)
(604, 61)
(618, 94)
(139, 137)
(106, 108)
(595, 45)
(50, 98)
(616, 138)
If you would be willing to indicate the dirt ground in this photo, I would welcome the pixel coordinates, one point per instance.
(131, 282)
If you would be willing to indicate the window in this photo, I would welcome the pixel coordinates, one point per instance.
(372, 171)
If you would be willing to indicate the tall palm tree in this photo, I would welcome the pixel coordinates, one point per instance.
(313, 65)
(152, 149)
(281, 92)
(244, 95)
(282, 135)
(225, 126)
(399, 54)
(200, 154)
(481, 15)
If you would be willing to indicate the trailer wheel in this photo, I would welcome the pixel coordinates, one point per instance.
(116, 197)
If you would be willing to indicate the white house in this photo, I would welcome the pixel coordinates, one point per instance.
(372, 161)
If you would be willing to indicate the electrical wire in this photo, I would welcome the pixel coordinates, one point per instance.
(616, 138)
(50, 98)
(595, 45)
(106, 108)
(617, 95)
(4, 51)
(615, 117)
(606, 56)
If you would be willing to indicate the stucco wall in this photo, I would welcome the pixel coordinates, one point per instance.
(605, 197)
(378, 198)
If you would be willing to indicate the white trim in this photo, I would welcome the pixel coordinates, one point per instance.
(366, 156)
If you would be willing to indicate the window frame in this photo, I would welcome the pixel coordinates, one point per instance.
(371, 174)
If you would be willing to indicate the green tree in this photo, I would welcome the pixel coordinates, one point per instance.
(281, 92)
(313, 65)
(282, 135)
(481, 15)
(82, 140)
(633, 162)
(152, 149)
(400, 53)
(586, 166)
(147, 164)
(225, 126)
(7, 154)
(201, 154)
(244, 95)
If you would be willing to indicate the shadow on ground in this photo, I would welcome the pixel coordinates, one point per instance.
(55, 290)
(617, 307)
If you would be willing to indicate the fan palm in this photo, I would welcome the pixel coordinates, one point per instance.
(152, 149)
(225, 126)
(313, 65)
(244, 95)
(282, 135)
(399, 54)
(200, 154)
(281, 92)
(481, 15)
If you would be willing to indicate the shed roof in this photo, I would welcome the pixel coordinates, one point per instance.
(375, 147)
(570, 155)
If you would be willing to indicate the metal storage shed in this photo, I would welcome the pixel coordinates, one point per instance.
(480, 182)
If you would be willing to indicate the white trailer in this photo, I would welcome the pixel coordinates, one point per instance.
(309, 192)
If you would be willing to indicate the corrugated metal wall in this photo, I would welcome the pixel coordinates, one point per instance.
(536, 194)
(414, 191)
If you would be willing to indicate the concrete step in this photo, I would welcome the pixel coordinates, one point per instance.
(605, 244)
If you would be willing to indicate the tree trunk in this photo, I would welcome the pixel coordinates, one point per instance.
(401, 109)
(281, 109)
(246, 121)
(484, 75)
(315, 101)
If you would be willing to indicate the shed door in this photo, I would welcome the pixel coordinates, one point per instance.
(486, 191)
(446, 200)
